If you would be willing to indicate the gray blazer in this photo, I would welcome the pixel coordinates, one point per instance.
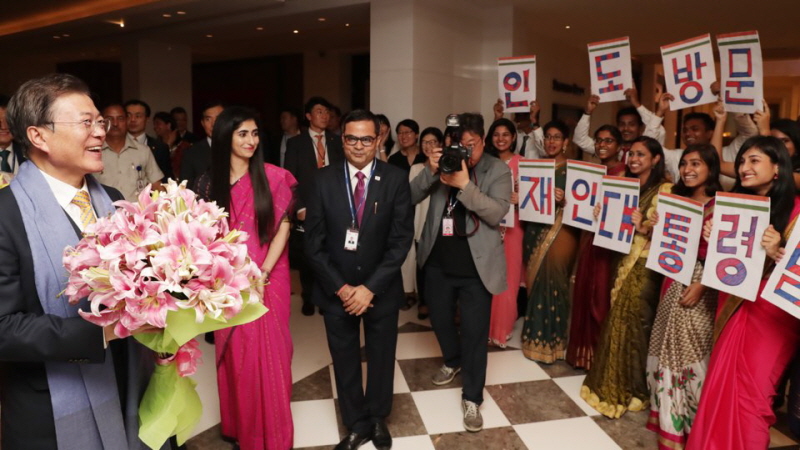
(490, 200)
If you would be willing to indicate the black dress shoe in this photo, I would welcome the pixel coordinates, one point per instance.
(308, 309)
(381, 437)
(353, 441)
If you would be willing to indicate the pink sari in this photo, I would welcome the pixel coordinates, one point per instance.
(504, 305)
(752, 352)
(254, 361)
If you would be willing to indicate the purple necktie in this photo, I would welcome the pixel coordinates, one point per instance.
(359, 196)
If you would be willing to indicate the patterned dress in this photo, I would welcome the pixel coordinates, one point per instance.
(680, 346)
(550, 251)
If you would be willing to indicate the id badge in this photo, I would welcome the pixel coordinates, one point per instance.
(351, 240)
(447, 226)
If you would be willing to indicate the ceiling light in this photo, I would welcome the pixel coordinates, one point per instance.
(166, 15)
(56, 37)
(347, 24)
(567, 27)
(65, 35)
(296, 31)
(180, 13)
(122, 24)
(209, 35)
(321, 19)
(259, 28)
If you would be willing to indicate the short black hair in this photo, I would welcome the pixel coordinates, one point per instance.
(166, 118)
(293, 111)
(360, 115)
(471, 122)
(211, 104)
(314, 101)
(4, 99)
(703, 117)
(137, 102)
(177, 110)
(630, 111)
(408, 123)
(558, 125)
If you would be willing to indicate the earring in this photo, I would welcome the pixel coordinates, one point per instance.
(775, 177)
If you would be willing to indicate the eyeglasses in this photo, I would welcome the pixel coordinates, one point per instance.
(557, 137)
(103, 124)
(366, 141)
(608, 141)
(430, 142)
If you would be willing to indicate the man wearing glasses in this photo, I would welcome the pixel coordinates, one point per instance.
(58, 380)
(462, 254)
(359, 226)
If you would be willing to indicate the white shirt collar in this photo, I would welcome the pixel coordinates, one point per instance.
(142, 138)
(63, 192)
(314, 135)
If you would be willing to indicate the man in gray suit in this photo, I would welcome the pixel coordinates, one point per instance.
(461, 252)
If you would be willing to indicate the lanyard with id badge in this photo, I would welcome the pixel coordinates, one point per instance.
(351, 236)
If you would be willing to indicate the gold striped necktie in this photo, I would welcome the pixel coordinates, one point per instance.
(81, 200)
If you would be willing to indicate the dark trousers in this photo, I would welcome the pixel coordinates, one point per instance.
(469, 348)
(361, 409)
(297, 261)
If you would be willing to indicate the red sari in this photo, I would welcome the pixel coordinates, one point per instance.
(591, 295)
(254, 361)
(750, 356)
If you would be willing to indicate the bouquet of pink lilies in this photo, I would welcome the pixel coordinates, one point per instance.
(169, 261)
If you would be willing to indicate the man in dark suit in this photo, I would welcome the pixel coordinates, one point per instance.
(11, 156)
(182, 124)
(305, 153)
(58, 379)
(138, 113)
(197, 158)
(359, 230)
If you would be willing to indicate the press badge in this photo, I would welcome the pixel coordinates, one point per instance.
(351, 240)
(447, 226)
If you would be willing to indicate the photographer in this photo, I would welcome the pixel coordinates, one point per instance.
(461, 252)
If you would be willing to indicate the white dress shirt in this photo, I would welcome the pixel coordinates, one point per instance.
(314, 135)
(64, 194)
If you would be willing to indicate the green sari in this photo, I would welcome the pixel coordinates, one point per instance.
(617, 382)
(550, 252)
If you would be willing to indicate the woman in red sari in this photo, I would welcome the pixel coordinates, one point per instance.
(254, 360)
(591, 288)
(755, 340)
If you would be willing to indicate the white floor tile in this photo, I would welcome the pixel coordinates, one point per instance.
(309, 341)
(400, 385)
(565, 434)
(314, 423)
(417, 345)
(512, 367)
(441, 411)
(411, 316)
(572, 387)
(407, 443)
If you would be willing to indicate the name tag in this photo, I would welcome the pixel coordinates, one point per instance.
(447, 226)
(351, 240)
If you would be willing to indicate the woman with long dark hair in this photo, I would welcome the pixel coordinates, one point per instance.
(549, 251)
(682, 336)
(591, 289)
(385, 135)
(754, 340)
(254, 360)
(616, 383)
(501, 141)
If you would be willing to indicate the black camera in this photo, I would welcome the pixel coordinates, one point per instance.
(452, 156)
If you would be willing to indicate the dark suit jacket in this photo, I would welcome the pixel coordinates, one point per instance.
(161, 153)
(385, 235)
(301, 161)
(29, 338)
(196, 161)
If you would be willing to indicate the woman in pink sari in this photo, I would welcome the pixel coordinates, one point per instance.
(254, 360)
(754, 340)
(501, 140)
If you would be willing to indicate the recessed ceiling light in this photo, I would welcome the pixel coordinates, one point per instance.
(65, 35)
(166, 15)
(347, 24)
(567, 27)
(56, 37)
(180, 13)
(259, 28)
(122, 24)
(296, 31)
(209, 35)
(321, 19)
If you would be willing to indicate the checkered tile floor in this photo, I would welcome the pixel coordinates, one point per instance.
(527, 405)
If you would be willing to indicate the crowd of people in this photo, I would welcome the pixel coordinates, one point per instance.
(375, 225)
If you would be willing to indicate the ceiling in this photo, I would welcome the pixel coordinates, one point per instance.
(89, 29)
